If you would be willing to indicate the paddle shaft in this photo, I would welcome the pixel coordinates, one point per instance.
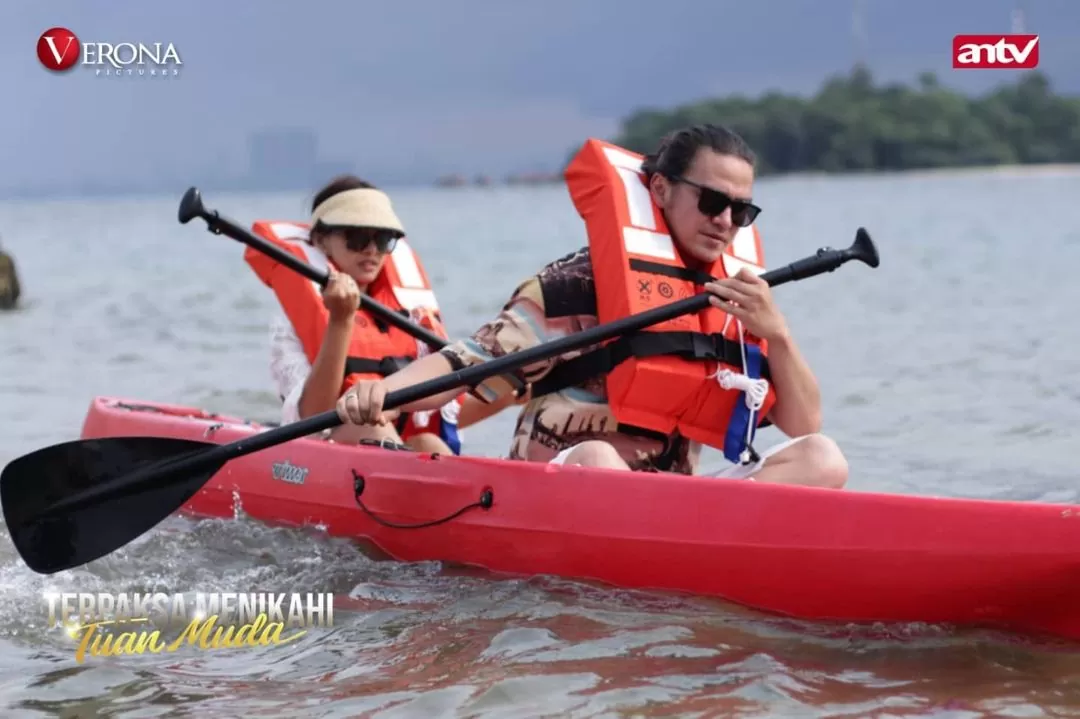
(221, 225)
(826, 260)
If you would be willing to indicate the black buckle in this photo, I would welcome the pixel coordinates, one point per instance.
(390, 365)
(703, 346)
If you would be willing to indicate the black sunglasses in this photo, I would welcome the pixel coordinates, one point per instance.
(713, 202)
(358, 238)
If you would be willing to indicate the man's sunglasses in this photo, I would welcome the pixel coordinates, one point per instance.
(358, 238)
(712, 203)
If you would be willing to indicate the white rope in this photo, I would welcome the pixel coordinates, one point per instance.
(756, 390)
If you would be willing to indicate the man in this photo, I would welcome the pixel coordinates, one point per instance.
(647, 404)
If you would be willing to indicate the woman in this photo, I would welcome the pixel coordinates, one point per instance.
(322, 345)
(657, 226)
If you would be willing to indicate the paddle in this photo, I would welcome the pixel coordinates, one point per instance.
(191, 206)
(71, 503)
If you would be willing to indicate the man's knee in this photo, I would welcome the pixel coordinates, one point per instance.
(823, 458)
(595, 453)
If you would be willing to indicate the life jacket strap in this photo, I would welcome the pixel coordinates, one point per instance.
(600, 361)
(384, 367)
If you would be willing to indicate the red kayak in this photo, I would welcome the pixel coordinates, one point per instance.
(807, 553)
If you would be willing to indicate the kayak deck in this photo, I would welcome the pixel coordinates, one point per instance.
(803, 552)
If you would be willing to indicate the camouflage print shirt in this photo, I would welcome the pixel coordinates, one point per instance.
(561, 300)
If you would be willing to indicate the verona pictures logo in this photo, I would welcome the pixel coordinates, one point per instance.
(60, 50)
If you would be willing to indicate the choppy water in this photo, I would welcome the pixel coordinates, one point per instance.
(949, 370)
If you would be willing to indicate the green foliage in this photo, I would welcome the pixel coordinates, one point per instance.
(851, 124)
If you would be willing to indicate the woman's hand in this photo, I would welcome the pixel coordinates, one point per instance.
(362, 404)
(341, 296)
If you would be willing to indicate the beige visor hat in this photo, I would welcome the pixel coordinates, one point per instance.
(363, 207)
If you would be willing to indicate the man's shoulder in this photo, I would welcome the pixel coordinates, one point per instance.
(567, 285)
(572, 262)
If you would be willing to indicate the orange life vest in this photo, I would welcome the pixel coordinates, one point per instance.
(699, 374)
(376, 349)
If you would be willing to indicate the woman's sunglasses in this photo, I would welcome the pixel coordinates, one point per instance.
(358, 238)
(712, 203)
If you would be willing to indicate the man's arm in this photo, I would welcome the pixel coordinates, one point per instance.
(474, 410)
(797, 410)
(747, 297)
(518, 326)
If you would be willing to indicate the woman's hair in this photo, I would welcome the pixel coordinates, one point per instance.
(341, 183)
(678, 149)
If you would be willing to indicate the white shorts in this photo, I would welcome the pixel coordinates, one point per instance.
(732, 471)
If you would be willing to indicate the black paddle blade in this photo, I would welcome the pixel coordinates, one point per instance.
(191, 206)
(863, 248)
(31, 484)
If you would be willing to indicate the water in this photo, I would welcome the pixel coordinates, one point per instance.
(946, 371)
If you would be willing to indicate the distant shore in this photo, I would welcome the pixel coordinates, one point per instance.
(1011, 170)
(554, 179)
(853, 124)
(483, 180)
(1058, 168)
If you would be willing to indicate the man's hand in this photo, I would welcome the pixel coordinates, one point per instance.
(747, 297)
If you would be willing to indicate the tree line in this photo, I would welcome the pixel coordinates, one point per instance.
(852, 124)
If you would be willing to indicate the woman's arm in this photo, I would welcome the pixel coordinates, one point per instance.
(474, 410)
(423, 369)
(323, 383)
(520, 325)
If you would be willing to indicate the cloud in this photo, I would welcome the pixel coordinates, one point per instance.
(536, 133)
(419, 87)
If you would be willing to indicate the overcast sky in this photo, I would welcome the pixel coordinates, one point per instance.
(409, 89)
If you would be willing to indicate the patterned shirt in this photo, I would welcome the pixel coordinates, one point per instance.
(558, 301)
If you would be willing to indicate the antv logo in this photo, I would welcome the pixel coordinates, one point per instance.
(59, 50)
(1015, 52)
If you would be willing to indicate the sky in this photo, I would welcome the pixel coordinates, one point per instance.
(411, 89)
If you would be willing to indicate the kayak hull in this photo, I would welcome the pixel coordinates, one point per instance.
(802, 552)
